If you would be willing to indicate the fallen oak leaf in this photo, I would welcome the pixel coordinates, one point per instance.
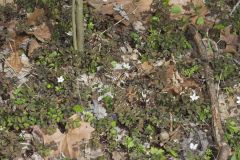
(133, 9)
(42, 33)
(231, 40)
(67, 142)
(15, 61)
(33, 45)
(147, 67)
(35, 17)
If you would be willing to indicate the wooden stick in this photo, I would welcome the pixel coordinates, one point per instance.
(224, 149)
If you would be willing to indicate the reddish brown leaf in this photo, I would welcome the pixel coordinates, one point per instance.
(35, 17)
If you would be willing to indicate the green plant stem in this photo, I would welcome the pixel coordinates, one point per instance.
(74, 25)
(79, 25)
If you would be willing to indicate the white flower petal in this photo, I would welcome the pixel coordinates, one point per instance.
(238, 100)
(60, 79)
(193, 146)
(194, 97)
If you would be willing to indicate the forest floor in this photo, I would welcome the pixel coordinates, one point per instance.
(139, 90)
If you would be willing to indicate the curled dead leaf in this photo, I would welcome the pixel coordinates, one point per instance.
(42, 33)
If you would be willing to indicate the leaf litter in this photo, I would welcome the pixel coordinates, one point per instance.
(135, 83)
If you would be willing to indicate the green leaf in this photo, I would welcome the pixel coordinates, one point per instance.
(114, 64)
(78, 108)
(200, 21)
(219, 26)
(129, 142)
(156, 151)
(176, 9)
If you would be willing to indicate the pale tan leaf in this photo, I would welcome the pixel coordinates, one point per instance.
(68, 143)
(15, 62)
(42, 33)
(147, 67)
(144, 5)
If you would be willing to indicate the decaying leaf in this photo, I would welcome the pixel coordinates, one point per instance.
(11, 28)
(175, 83)
(130, 7)
(67, 143)
(33, 44)
(232, 40)
(42, 33)
(193, 9)
(147, 67)
(118, 155)
(15, 62)
(98, 110)
(35, 17)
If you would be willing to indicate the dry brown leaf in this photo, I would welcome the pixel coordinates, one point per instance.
(35, 17)
(144, 5)
(15, 62)
(118, 155)
(232, 40)
(42, 33)
(67, 142)
(147, 67)
(134, 10)
(33, 44)
(11, 28)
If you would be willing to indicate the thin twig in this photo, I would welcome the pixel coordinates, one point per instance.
(218, 88)
(235, 7)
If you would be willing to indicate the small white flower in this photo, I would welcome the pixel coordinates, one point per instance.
(126, 65)
(238, 99)
(60, 79)
(146, 145)
(193, 146)
(194, 97)
(118, 66)
(144, 95)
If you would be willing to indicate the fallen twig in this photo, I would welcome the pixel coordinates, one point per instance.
(224, 149)
(235, 7)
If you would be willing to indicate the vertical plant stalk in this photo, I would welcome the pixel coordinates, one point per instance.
(74, 32)
(224, 148)
(79, 25)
